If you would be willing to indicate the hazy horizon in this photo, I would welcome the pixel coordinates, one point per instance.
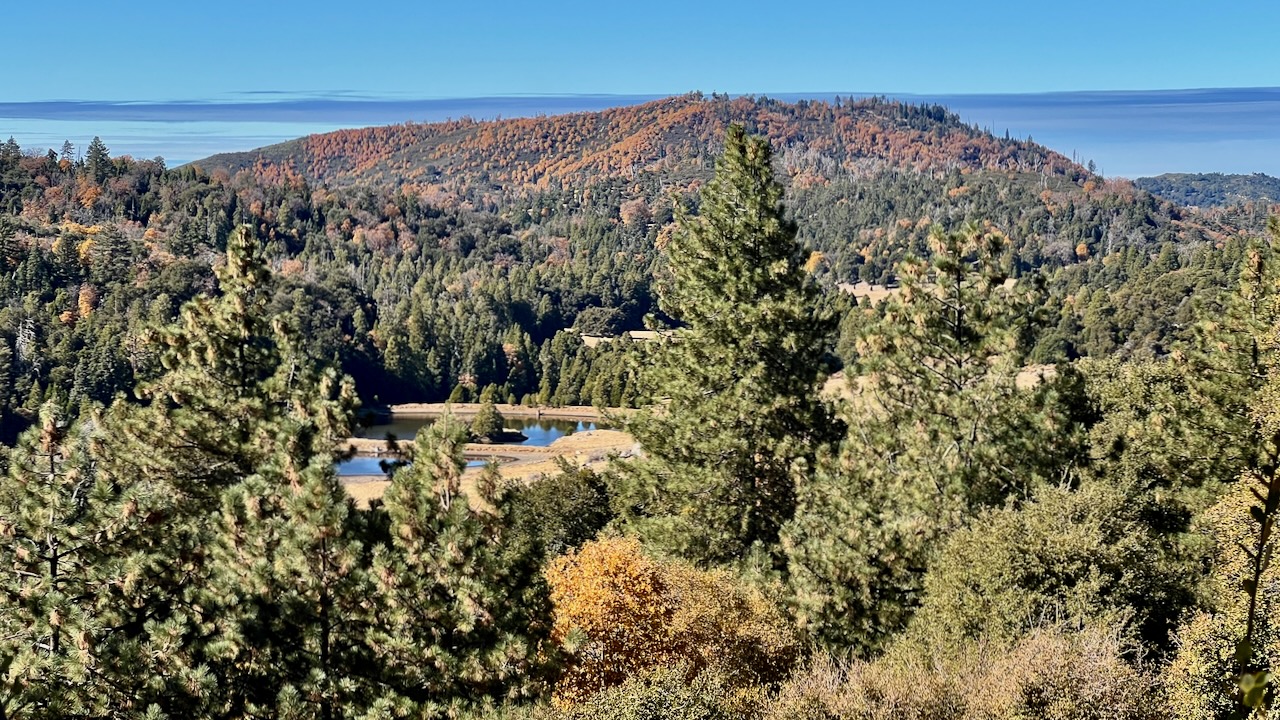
(1126, 133)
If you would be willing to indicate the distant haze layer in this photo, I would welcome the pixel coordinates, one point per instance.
(1131, 134)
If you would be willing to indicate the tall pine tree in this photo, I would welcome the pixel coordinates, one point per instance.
(739, 418)
(464, 613)
(236, 400)
(56, 523)
(293, 597)
(938, 427)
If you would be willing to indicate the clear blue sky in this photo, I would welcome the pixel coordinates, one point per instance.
(171, 50)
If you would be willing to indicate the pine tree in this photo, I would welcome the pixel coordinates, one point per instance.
(235, 398)
(1226, 365)
(487, 424)
(98, 160)
(293, 596)
(55, 520)
(464, 613)
(743, 419)
(938, 427)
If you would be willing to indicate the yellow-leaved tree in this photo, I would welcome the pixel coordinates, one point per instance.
(621, 614)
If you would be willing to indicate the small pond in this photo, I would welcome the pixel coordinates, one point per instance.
(541, 433)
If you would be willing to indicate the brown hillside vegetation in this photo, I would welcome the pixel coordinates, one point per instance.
(675, 136)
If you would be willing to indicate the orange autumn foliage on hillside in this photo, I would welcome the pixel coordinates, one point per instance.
(678, 135)
(620, 613)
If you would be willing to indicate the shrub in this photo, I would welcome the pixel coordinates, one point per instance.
(621, 613)
(561, 512)
(1072, 557)
(1047, 674)
(664, 693)
(1201, 679)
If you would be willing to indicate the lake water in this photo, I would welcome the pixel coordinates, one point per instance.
(371, 466)
(541, 433)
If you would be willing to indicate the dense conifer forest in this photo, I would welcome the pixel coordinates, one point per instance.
(1212, 189)
(1035, 478)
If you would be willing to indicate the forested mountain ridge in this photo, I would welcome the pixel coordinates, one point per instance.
(675, 138)
(867, 178)
(1212, 189)
(485, 275)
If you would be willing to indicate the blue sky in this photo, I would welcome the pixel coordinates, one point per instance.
(185, 80)
(166, 50)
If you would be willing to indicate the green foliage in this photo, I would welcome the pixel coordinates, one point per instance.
(1153, 432)
(1073, 558)
(98, 160)
(488, 423)
(463, 617)
(292, 591)
(208, 466)
(941, 358)
(235, 390)
(1228, 364)
(1207, 189)
(938, 429)
(1244, 545)
(664, 693)
(559, 513)
(57, 515)
(742, 420)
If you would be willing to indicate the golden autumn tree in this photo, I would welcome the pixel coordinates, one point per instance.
(621, 614)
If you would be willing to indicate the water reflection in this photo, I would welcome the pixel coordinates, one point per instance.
(359, 465)
(541, 432)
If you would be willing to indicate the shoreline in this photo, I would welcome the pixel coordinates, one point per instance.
(591, 449)
(537, 412)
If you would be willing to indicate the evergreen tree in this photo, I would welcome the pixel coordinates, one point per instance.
(487, 424)
(98, 160)
(1226, 652)
(293, 595)
(464, 614)
(56, 520)
(235, 398)
(743, 419)
(1226, 365)
(938, 427)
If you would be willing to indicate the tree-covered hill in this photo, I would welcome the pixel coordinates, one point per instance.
(1212, 189)
(429, 285)
(674, 139)
(868, 177)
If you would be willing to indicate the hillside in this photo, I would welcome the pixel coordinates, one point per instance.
(674, 138)
(866, 178)
(1212, 189)
(532, 233)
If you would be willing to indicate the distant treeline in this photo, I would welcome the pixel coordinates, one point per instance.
(1213, 189)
